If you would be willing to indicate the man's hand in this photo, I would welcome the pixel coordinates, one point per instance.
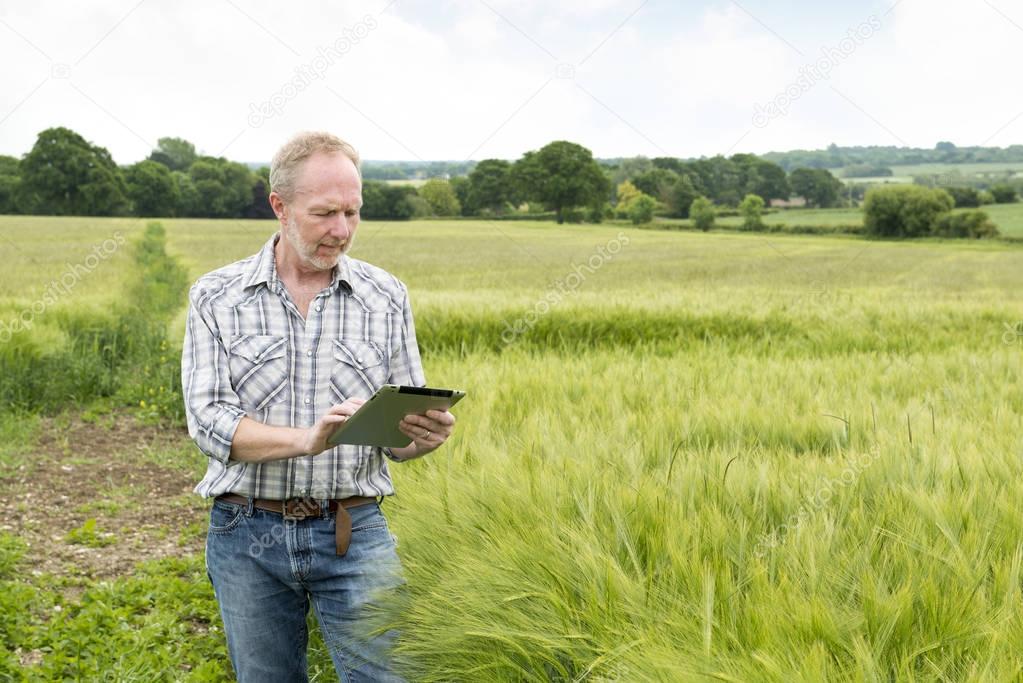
(315, 438)
(427, 432)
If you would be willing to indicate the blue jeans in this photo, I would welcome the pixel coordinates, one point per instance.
(264, 570)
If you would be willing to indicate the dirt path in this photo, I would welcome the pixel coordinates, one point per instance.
(102, 471)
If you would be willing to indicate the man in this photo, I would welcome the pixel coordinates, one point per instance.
(280, 348)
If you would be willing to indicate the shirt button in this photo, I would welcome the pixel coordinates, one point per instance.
(309, 352)
(359, 361)
(308, 401)
(319, 308)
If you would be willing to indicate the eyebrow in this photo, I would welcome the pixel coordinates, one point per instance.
(332, 207)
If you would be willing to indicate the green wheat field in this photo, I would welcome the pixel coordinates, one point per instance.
(683, 456)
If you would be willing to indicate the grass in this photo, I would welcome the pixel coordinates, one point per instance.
(39, 250)
(718, 456)
(805, 217)
(965, 170)
(636, 532)
(18, 430)
(1008, 218)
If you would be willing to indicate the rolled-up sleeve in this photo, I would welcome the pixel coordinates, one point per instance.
(212, 408)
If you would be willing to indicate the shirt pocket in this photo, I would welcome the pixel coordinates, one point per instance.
(360, 369)
(259, 370)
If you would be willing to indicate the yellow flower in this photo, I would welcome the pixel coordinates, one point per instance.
(142, 403)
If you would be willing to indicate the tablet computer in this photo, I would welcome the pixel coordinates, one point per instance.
(375, 423)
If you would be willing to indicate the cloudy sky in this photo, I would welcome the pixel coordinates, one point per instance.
(473, 79)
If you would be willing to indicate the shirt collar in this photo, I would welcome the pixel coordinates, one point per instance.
(264, 269)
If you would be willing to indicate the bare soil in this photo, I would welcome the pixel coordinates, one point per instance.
(104, 471)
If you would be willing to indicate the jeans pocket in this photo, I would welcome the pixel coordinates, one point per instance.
(367, 517)
(224, 517)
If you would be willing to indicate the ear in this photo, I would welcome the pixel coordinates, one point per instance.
(279, 207)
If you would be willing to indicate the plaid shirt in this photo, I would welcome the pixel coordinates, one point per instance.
(248, 352)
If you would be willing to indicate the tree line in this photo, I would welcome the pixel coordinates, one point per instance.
(563, 177)
(881, 157)
(64, 174)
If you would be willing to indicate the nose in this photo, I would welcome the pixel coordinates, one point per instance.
(339, 227)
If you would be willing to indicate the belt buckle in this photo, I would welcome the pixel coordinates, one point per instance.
(297, 509)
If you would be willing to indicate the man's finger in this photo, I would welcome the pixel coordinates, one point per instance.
(347, 404)
(421, 423)
(441, 416)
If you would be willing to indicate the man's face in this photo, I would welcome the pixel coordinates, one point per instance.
(319, 222)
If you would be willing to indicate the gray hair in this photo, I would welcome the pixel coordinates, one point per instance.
(288, 159)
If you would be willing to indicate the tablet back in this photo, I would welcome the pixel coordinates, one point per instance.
(375, 423)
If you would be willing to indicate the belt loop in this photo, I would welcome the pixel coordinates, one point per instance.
(324, 508)
(249, 506)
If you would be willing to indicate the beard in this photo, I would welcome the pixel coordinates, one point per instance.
(308, 251)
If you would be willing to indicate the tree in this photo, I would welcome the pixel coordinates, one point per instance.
(702, 213)
(441, 197)
(656, 182)
(971, 224)
(460, 186)
(10, 182)
(65, 175)
(964, 197)
(763, 178)
(419, 207)
(189, 201)
(1003, 193)
(381, 201)
(626, 194)
(490, 186)
(151, 189)
(752, 209)
(174, 153)
(259, 207)
(562, 175)
(627, 169)
(681, 196)
(669, 163)
(224, 187)
(904, 210)
(867, 171)
(641, 209)
(817, 186)
(719, 179)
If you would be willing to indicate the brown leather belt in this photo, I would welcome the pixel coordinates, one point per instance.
(297, 509)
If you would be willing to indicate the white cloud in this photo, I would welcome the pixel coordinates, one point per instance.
(450, 79)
